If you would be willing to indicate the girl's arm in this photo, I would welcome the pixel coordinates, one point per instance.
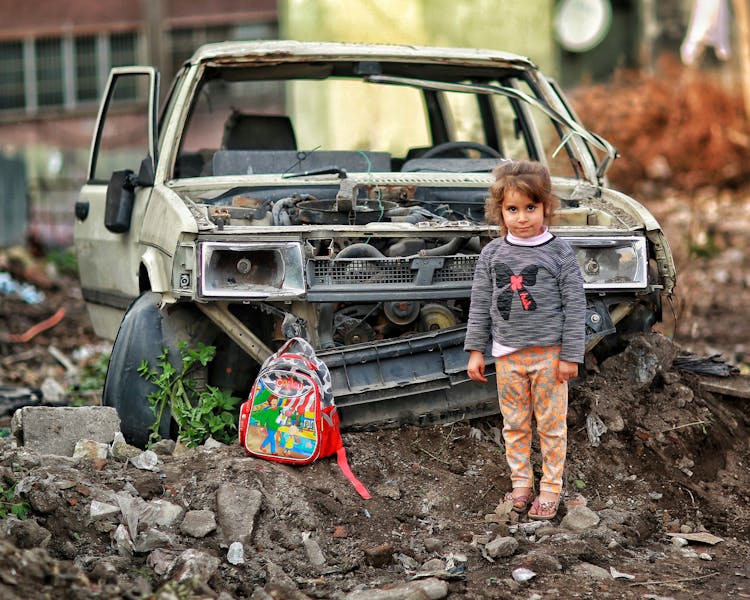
(479, 323)
(574, 310)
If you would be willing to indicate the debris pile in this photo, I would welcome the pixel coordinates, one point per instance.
(678, 128)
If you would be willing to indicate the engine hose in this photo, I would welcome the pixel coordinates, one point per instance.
(280, 218)
(327, 310)
(450, 248)
(359, 250)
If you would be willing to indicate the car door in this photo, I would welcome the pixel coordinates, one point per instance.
(114, 198)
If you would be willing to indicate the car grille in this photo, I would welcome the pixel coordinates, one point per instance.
(392, 278)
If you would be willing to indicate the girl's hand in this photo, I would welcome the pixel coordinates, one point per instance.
(566, 370)
(475, 367)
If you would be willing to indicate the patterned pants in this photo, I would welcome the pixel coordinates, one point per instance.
(526, 385)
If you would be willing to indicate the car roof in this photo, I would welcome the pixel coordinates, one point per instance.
(273, 51)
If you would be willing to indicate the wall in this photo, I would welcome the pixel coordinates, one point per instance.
(522, 28)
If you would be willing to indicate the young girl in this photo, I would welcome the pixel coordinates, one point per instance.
(527, 300)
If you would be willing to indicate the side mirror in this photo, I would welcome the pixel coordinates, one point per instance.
(121, 195)
(120, 198)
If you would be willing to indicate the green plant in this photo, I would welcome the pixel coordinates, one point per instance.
(65, 260)
(91, 379)
(199, 415)
(9, 507)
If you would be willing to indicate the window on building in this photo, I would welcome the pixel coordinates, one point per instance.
(11, 76)
(86, 59)
(49, 71)
(54, 72)
(70, 71)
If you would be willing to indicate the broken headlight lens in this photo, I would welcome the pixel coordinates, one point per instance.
(615, 263)
(251, 270)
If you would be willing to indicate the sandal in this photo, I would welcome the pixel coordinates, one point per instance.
(520, 503)
(545, 511)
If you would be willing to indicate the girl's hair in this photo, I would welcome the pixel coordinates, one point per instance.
(528, 177)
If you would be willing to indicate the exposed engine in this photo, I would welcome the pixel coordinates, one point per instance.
(403, 276)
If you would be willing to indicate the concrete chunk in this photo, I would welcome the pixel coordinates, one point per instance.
(55, 430)
(237, 510)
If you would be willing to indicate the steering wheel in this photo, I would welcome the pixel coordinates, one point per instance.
(450, 146)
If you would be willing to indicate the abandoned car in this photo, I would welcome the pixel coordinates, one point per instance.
(336, 192)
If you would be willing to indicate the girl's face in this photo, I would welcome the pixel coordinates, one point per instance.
(523, 217)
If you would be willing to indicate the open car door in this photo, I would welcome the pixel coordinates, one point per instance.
(117, 190)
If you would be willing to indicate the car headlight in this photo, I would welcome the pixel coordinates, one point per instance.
(251, 270)
(614, 263)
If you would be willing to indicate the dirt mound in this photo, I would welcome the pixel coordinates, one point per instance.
(678, 128)
(651, 453)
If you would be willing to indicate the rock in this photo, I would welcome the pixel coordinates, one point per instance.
(24, 533)
(163, 447)
(198, 523)
(147, 460)
(90, 449)
(431, 588)
(314, 553)
(150, 540)
(212, 444)
(588, 570)
(647, 355)
(121, 450)
(102, 510)
(434, 565)
(123, 543)
(522, 574)
(237, 508)
(379, 556)
(52, 391)
(194, 564)
(161, 561)
(580, 518)
(501, 547)
(432, 544)
(55, 430)
(162, 512)
(388, 490)
(236, 553)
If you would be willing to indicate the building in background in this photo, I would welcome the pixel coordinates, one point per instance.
(54, 61)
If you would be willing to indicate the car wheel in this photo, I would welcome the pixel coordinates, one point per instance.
(145, 331)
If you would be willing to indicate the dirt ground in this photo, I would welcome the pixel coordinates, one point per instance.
(655, 452)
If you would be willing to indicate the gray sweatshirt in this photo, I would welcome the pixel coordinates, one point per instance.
(526, 296)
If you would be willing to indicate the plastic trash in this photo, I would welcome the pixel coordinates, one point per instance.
(522, 574)
(595, 427)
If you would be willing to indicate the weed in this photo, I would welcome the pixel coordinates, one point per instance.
(9, 507)
(65, 261)
(199, 415)
(92, 379)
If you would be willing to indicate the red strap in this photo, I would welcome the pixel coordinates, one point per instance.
(344, 466)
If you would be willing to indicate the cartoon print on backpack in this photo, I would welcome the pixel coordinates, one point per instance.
(282, 421)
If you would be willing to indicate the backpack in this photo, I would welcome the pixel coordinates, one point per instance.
(289, 416)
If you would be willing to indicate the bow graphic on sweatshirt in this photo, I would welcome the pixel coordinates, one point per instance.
(505, 278)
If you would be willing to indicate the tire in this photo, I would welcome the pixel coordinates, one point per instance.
(139, 337)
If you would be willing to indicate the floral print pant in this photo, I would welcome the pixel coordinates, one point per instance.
(527, 384)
